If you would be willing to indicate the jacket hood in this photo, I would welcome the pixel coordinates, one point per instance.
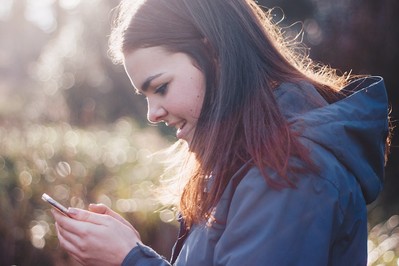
(354, 129)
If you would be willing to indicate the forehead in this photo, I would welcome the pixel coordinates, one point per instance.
(145, 62)
(147, 53)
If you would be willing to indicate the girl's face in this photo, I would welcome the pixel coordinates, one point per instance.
(173, 86)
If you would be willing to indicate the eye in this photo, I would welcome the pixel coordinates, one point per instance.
(162, 89)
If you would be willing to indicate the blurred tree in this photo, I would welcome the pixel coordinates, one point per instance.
(60, 71)
(95, 90)
(20, 46)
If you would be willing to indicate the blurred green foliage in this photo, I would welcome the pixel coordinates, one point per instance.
(110, 165)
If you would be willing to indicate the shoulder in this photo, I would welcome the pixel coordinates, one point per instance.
(268, 218)
(309, 185)
(297, 98)
(326, 190)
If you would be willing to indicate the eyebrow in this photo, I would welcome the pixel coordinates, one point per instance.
(147, 82)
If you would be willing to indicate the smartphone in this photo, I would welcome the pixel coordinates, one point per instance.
(58, 206)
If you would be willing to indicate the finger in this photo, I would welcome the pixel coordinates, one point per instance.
(103, 209)
(59, 218)
(77, 259)
(72, 229)
(68, 245)
(87, 216)
(63, 220)
(67, 236)
(99, 208)
(78, 216)
(78, 244)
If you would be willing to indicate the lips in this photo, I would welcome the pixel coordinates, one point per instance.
(183, 131)
(180, 132)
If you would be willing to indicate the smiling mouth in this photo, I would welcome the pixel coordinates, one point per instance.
(181, 126)
(179, 130)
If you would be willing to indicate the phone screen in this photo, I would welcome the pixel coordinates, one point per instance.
(58, 206)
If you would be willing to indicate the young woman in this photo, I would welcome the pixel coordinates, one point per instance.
(282, 155)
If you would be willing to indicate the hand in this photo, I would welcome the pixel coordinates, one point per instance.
(103, 209)
(94, 238)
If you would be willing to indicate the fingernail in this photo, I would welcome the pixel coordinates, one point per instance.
(72, 211)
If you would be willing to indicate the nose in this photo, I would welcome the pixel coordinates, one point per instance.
(155, 112)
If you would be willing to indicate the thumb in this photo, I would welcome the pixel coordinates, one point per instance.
(99, 208)
(103, 209)
(85, 216)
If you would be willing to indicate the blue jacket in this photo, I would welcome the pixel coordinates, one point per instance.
(321, 222)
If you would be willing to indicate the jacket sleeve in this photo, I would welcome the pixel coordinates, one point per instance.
(266, 226)
(142, 255)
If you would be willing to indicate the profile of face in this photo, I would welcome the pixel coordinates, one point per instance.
(173, 86)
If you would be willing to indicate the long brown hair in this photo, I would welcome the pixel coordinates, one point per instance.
(244, 57)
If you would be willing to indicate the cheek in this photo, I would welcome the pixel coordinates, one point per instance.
(190, 107)
(191, 102)
(198, 96)
(198, 104)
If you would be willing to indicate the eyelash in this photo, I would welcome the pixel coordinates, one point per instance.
(162, 89)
